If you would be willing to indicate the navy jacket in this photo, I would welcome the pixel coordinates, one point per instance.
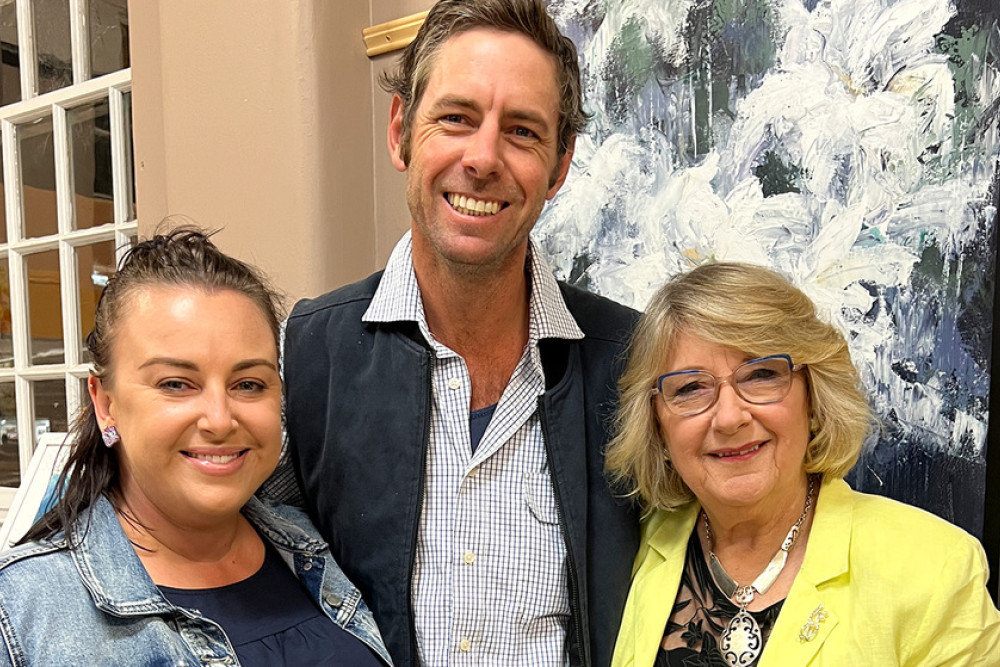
(358, 410)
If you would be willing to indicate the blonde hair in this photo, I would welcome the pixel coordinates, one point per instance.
(758, 312)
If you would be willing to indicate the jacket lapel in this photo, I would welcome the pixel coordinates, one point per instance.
(811, 610)
(656, 585)
(109, 567)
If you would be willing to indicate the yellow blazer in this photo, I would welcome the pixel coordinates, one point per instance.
(899, 586)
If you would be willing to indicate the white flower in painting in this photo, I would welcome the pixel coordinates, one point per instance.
(855, 99)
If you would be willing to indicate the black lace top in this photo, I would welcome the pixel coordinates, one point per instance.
(701, 612)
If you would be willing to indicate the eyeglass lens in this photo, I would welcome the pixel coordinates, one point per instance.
(758, 381)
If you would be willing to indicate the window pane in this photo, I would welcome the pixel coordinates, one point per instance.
(130, 156)
(108, 36)
(6, 339)
(10, 68)
(50, 407)
(95, 264)
(55, 63)
(38, 177)
(44, 308)
(90, 132)
(10, 468)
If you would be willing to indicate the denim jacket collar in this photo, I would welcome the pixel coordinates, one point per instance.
(283, 528)
(109, 567)
(116, 578)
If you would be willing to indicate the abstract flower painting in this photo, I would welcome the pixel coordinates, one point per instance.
(851, 145)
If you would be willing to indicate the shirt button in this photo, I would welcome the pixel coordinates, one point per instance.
(454, 383)
(308, 566)
(469, 557)
(464, 645)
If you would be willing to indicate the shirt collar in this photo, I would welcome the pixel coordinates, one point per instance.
(397, 298)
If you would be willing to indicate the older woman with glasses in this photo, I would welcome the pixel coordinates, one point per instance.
(741, 413)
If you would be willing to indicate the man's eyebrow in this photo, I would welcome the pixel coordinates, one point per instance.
(528, 116)
(454, 101)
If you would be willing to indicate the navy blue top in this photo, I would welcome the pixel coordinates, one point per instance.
(271, 620)
(478, 421)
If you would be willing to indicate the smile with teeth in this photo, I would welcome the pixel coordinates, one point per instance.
(748, 450)
(471, 206)
(211, 458)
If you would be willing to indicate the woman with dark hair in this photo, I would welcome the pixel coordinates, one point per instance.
(156, 551)
(740, 414)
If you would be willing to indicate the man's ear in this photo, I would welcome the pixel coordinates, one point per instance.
(561, 170)
(102, 401)
(395, 133)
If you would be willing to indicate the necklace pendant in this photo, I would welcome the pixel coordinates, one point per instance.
(741, 640)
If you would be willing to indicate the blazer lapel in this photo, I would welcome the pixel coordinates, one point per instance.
(810, 612)
(657, 579)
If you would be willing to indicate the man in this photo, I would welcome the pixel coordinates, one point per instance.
(447, 417)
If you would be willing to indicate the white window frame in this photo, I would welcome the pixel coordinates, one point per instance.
(58, 104)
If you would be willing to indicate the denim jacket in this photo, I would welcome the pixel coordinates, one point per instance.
(96, 605)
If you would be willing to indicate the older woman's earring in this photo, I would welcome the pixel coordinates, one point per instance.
(110, 435)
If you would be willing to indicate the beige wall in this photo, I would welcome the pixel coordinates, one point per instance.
(265, 118)
(391, 215)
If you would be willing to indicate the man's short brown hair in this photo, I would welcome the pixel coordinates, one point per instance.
(448, 18)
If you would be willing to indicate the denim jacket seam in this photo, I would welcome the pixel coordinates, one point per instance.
(29, 551)
(11, 641)
(153, 602)
(268, 519)
(348, 608)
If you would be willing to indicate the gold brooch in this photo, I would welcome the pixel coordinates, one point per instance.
(811, 627)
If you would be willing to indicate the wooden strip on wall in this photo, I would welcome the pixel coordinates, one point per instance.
(393, 35)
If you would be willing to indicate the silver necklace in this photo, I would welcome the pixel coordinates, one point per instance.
(741, 640)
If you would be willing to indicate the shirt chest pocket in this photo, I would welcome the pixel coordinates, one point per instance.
(539, 496)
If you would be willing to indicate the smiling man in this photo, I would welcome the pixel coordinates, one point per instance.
(447, 417)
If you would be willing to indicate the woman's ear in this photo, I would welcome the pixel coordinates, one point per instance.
(102, 401)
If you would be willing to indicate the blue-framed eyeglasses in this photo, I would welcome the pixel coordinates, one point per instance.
(759, 381)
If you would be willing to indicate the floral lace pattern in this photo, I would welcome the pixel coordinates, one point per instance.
(700, 614)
